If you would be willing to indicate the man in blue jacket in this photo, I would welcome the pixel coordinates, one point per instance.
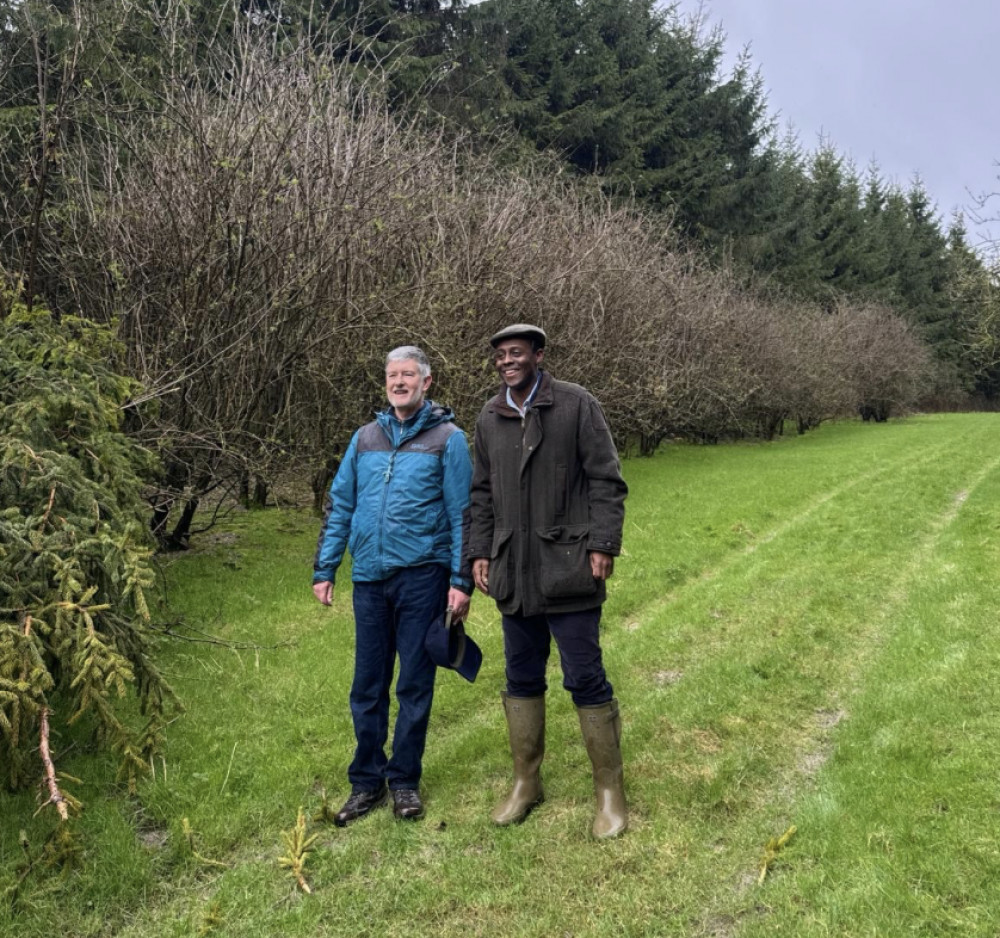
(397, 504)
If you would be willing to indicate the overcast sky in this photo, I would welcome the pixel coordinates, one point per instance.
(911, 84)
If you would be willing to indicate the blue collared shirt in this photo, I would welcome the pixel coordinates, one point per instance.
(527, 401)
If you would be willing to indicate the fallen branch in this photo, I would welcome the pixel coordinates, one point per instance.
(168, 631)
(56, 797)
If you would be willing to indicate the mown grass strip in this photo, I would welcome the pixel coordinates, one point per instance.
(905, 818)
(776, 636)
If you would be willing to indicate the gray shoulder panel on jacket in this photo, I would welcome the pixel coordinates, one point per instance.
(373, 439)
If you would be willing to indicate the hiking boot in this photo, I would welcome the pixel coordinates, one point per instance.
(406, 804)
(359, 804)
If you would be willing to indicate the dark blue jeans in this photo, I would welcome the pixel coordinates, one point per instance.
(526, 644)
(391, 618)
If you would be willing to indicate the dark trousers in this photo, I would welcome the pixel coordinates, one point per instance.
(391, 618)
(527, 640)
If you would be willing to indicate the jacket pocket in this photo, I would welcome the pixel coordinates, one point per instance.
(501, 565)
(361, 544)
(565, 567)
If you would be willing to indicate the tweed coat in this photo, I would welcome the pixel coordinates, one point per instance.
(546, 490)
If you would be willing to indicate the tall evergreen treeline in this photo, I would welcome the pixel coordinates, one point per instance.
(179, 168)
(629, 92)
(626, 92)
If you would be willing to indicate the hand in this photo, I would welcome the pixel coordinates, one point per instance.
(323, 591)
(481, 574)
(458, 603)
(601, 565)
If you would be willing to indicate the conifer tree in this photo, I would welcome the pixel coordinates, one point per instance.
(629, 93)
(838, 221)
(74, 555)
(975, 297)
(407, 42)
(875, 274)
(779, 244)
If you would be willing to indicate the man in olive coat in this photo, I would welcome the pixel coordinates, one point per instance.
(546, 515)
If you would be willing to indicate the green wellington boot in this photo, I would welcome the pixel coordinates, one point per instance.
(602, 732)
(526, 728)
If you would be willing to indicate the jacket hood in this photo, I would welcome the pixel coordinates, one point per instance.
(429, 415)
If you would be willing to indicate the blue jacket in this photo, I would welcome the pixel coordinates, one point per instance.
(398, 499)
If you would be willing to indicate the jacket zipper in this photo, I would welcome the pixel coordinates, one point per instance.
(404, 436)
(387, 476)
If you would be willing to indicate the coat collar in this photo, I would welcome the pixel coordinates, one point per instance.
(543, 397)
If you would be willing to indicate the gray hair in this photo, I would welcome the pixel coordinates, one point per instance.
(407, 353)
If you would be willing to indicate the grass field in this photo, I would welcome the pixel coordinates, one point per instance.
(801, 634)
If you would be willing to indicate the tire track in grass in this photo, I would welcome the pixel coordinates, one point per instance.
(652, 608)
(711, 755)
(682, 626)
(787, 788)
(907, 814)
(897, 597)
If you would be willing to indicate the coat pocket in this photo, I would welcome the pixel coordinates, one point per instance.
(564, 571)
(361, 544)
(501, 565)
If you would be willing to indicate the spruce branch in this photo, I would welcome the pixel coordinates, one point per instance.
(771, 850)
(48, 508)
(297, 846)
(189, 839)
(75, 556)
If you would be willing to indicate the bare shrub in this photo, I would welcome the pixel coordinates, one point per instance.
(266, 233)
(886, 364)
(726, 374)
(263, 243)
(531, 249)
(740, 363)
(250, 240)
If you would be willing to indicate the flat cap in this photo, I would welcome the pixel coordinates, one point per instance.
(520, 330)
(449, 647)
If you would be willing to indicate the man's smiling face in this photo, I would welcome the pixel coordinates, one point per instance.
(405, 387)
(517, 363)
